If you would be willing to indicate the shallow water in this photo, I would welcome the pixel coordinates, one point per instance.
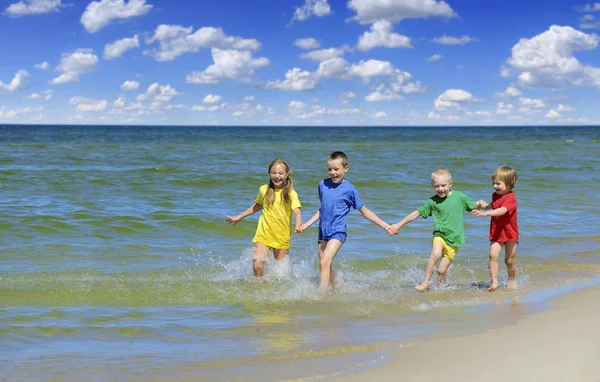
(117, 262)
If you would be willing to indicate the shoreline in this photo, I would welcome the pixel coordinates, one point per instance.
(557, 344)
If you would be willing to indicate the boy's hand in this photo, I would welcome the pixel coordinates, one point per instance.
(393, 229)
(481, 204)
(300, 228)
(233, 219)
(479, 213)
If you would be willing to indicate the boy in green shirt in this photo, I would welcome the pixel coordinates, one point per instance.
(447, 208)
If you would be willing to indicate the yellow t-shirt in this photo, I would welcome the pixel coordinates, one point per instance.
(275, 222)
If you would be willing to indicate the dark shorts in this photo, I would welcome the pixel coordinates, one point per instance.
(341, 236)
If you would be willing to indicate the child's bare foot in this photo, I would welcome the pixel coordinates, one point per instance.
(512, 284)
(422, 287)
(493, 287)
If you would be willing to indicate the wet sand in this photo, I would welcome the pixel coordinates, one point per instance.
(560, 344)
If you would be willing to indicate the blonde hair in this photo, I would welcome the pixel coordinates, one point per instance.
(441, 173)
(339, 155)
(506, 175)
(288, 184)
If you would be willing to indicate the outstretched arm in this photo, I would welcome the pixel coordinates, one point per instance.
(483, 205)
(394, 228)
(497, 212)
(236, 219)
(372, 217)
(298, 218)
(310, 222)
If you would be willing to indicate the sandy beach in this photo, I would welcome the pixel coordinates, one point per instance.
(560, 344)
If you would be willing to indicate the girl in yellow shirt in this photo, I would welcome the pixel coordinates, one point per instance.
(277, 200)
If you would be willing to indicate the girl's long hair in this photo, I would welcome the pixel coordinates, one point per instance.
(288, 184)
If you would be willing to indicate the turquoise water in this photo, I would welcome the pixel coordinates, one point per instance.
(117, 261)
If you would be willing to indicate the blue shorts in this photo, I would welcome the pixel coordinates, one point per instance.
(341, 236)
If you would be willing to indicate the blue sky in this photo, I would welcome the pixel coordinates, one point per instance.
(299, 62)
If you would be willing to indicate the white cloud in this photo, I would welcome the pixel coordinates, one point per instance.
(295, 80)
(211, 98)
(548, 58)
(510, 91)
(43, 66)
(381, 115)
(434, 57)
(99, 14)
(553, 114)
(33, 7)
(530, 105)
(235, 65)
(345, 97)
(10, 113)
(311, 7)
(414, 87)
(175, 40)
(307, 43)
(382, 94)
(452, 99)
(34, 96)
(504, 108)
(564, 108)
(73, 64)
(158, 93)
(590, 25)
(449, 40)
(372, 68)
(17, 82)
(94, 106)
(381, 34)
(595, 7)
(333, 68)
(325, 54)
(319, 111)
(47, 95)
(370, 11)
(296, 105)
(117, 48)
(119, 102)
(206, 108)
(130, 85)
(249, 98)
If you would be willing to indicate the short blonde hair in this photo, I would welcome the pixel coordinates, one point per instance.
(339, 155)
(506, 175)
(441, 173)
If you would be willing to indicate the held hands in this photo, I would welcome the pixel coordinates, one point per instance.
(300, 228)
(482, 205)
(393, 229)
(480, 213)
(233, 219)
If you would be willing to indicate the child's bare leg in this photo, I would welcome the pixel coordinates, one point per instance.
(510, 251)
(258, 262)
(436, 253)
(495, 249)
(281, 254)
(442, 270)
(327, 251)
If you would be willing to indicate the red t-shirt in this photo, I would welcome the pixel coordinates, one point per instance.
(504, 228)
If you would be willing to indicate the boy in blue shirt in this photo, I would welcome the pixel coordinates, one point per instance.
(337, 196)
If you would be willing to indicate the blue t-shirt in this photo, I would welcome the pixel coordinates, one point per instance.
(336, 200)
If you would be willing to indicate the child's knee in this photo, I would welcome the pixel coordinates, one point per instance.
(509, 262)
(258, 265)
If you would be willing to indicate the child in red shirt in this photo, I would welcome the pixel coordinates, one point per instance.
(504, 230)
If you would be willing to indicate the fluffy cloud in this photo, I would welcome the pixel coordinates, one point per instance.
(595, 7)
(381, 34)
(73, 64)
(99, 14)
(319, 111)
(414, 87)
(211, 98)
(381, 115)
(130, 85)
(452, 99)
(325, 54)
(504, 108)
(311, 7)
(117, 48)
(33, 7)
(175, 40)
(510, 91)
(382, 94)
(370, 11)
(307, 43)
(158, 93)
(434, 57)
(346, 96)
(85, 104)
(235, 65)
(16, 84)
(553, 114)
(333, 68)
(295, 80)
(564, 108)
(43, 66)
(10, 113)
(249, 98)
(548, 59)
(449, 40)
(530, 105)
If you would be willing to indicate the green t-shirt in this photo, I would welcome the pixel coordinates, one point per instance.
(448, 216)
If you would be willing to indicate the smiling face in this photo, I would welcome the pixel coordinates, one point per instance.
(278, 174)
(336, 170)
(441, 185)
(500, 187)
